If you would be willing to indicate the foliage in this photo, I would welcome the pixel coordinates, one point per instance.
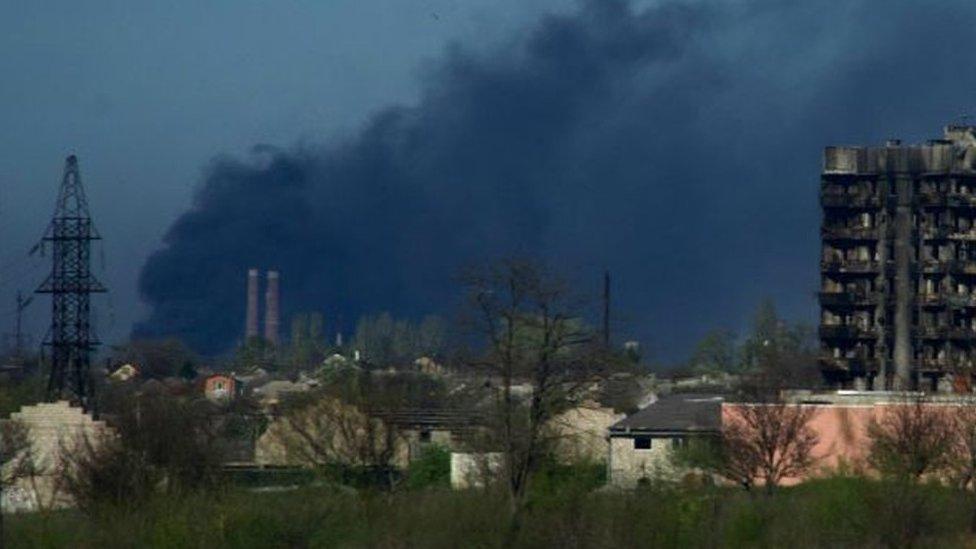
(432, 469)
(155, 358)
(256, 351)
(188, 371)
(832, 512)
(765, 442)
(163, 445)
(15, 394)
(716, 353)
(385, 341)
(306, 347)
(774, 355)
(910, 440)
(528, 321)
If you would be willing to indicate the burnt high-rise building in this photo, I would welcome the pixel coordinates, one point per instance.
(898, 264)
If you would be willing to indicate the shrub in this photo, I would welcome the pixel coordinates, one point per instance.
(431, 470)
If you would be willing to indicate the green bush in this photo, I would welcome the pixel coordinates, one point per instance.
(833, 512)
(432, 469)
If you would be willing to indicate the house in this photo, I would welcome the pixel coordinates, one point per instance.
(641, 446)
(124, 373)
(221, 387)
(271, 393)
(581, 433)
(450, 428)
(345, 433)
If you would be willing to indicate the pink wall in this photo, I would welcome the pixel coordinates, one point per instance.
(842, 432)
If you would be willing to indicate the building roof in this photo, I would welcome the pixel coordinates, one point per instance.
(675, 413)
(430, 417)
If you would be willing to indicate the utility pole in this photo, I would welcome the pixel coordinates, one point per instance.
(18, 333)
(70, 284)
(606, 309)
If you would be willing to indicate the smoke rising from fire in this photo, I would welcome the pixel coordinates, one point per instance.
(677, 145)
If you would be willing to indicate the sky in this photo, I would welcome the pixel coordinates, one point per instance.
(368, 149)
(147, 93)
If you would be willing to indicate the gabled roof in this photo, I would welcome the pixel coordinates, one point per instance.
(675, 413)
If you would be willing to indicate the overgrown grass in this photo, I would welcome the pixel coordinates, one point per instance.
(835, 512)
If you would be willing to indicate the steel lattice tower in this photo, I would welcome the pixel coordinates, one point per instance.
(71, 283)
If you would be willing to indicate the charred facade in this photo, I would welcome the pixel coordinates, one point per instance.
(898, 264)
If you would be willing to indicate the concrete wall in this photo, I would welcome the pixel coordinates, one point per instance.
(628, 465)
(52, 428)
(471, 470)
(582, 434)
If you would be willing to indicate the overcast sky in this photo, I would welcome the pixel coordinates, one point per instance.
(677, 142)
(147, 93)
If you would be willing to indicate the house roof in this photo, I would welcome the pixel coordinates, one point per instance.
(430, 417)
(675, 413)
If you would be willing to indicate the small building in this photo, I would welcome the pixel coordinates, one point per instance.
(449, 428)
(125, 372)
(221, 387)
(581, 433)
(270, 394)
(642, 445)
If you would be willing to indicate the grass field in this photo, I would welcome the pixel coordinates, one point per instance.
(836, 512)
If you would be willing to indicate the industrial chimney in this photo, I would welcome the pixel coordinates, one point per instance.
(271, 309)
(251, 324)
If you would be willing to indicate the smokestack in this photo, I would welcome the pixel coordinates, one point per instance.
(271, 312)
(251, 324)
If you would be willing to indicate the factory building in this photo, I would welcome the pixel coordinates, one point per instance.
(898, 264)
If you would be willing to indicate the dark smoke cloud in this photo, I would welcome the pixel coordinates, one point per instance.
(678, 145)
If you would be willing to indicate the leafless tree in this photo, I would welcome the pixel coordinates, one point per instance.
(962, 464)
(16, 459)
(539, 356)
(911, 439)
(320, 430)
(158, 444)
(767, 442)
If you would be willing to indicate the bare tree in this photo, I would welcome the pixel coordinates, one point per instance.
(911, 439)
(768, 442)
(322, 431)
(537, 353)
(962, 464)
(16, 459)
(158, 444)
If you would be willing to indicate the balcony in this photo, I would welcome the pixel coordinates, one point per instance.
(936, 233)
(849, 233)
(846, 331)
(858, 365)
(946, 299)
(946, 332)
(848, 299)
(847, 200)
(945, 365)
(955, 266)
(850, 266)
(946, 200)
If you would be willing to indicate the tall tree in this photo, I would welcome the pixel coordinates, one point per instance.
(715, 353)
(529, 323)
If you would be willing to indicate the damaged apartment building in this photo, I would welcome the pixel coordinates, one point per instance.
(898, 265)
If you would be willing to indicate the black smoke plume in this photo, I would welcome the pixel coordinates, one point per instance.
(678, 145)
